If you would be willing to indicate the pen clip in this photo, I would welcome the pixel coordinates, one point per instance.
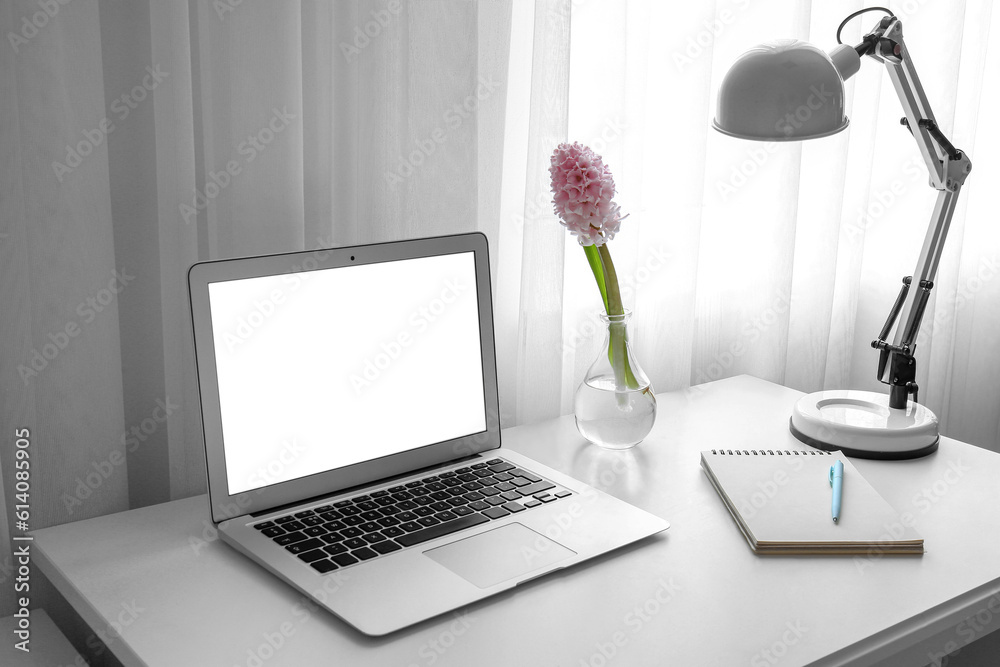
(831, 475)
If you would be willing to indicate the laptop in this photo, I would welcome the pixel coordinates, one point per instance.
(352, 433)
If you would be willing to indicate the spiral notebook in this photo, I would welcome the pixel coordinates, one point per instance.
(781, 501)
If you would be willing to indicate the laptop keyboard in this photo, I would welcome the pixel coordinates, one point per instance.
(341, 534)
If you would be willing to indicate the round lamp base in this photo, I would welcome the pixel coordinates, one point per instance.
(862, 425)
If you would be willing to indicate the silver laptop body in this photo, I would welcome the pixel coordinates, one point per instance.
(331, 374)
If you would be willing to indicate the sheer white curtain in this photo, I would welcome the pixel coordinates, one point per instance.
(778, 260)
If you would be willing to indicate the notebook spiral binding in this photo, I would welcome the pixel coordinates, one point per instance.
(768, 452)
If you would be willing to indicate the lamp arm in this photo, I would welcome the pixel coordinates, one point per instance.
(948, 169)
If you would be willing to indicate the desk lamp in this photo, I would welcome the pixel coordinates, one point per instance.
(792, 91)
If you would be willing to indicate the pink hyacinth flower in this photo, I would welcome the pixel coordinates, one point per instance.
(582, 194)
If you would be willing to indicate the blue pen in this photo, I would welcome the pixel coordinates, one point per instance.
(837, 482)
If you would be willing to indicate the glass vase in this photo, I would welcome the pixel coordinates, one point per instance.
(614, 405)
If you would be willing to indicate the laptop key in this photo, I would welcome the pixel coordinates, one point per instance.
(468, 477)
(478, 466)
(423, 500)
(385, 502)
(380, 494)
(361, 499)
(284, 519)
(366, 506)
(323, 566)
(335, 549)
(413, 485)
(479, 506)
(344, 560)
(265, 524)
(496, 500)
(331, 538)
(563, 493)
(473, 496)
(353, 520)
(530, 476)
(460, 471)
(519, 481)
(349, 511)
(407, 505)
(369, 527)
(411, 526)
(447, 475)
(452, 481)
(533, 503)
(441, 529)
(293, 525)
(462, 511)
(272, 532)
(503, 476)
(428, 521)
(513, 507)
(489, 491)
(532, 489)
(386, 547)
(305, 545)
(323, 508)
(371, 516)
(334, 525)
(439, 506)
(314, 520)
(423, 511)
(493, 462)
(355, 543)
(310, 556)
(501, 467)
(388, 521)
(456, 501)
(396, 489)
(496, 513)
(504, 486)
(315, 531)
(342, 503)
(482, 473)
(351, 532)
(406, 516)
(388, 511)
(546, 498)
(402, 495)
(393, 532)
(364, 553)
(472, 486)
(510, 495)
(304, 513)
(445, 516)
(371, 538)
(289, 538)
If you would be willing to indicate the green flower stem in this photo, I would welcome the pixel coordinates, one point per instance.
(617, 332)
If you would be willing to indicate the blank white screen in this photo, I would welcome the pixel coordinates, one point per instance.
(323, 369)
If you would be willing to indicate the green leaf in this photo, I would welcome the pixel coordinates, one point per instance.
(594, 258)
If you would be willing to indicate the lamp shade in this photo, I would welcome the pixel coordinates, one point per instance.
(785, 91)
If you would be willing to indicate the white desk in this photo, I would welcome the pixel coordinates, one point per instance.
(696, 595)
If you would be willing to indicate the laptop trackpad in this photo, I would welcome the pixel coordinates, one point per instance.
(498, 555)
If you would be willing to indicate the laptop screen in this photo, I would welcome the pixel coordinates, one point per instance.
(324, 369)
